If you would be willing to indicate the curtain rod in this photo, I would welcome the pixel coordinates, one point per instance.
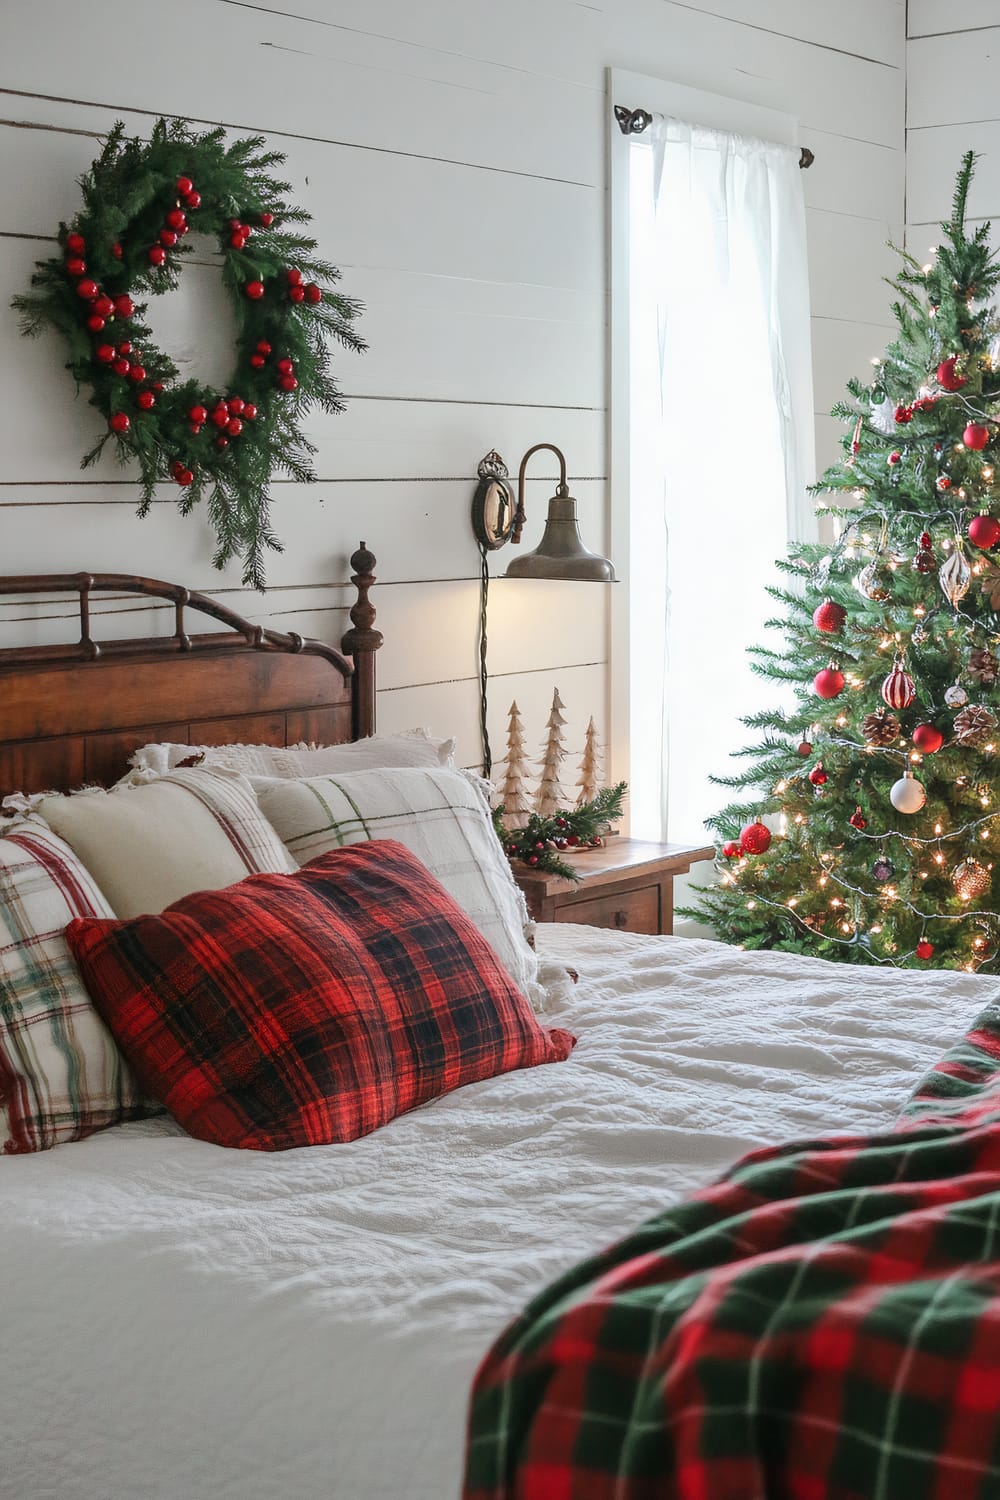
(635, 121)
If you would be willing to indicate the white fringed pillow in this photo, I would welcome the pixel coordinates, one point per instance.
(414, 748)
(443, 817)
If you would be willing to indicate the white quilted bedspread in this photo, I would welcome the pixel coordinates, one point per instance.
(182, 1322)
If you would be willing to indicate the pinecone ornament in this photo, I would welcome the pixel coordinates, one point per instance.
(880, 728)
(983, 667)
(974, 725)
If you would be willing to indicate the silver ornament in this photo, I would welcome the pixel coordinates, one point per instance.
(882, 418)
(955, 576)
(907, 795)
(955, 696)
(875, 580)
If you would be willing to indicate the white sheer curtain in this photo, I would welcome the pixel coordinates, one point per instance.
(721, 447)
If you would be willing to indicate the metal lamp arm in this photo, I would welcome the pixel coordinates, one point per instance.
(562, 489)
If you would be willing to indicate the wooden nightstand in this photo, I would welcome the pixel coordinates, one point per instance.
(628, 885)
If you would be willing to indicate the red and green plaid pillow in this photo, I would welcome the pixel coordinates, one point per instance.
(293, 1010)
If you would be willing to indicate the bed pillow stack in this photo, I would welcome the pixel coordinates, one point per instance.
(413, 748)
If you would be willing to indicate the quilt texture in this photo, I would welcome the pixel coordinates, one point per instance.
(823, 1323)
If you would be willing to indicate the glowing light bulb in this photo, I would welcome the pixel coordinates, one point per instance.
(938, 828)
(792, 901)
(751, 905)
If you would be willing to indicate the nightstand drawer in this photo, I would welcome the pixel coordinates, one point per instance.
(627, 911)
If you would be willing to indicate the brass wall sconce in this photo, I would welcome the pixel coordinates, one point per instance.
(498, 519)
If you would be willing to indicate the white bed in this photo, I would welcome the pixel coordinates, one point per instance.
(187, 1322)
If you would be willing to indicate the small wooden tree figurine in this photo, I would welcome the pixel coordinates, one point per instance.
(590, 776)
(550, 795)
(513, 797)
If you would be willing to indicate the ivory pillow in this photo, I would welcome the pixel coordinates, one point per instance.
(442, 816)
(147, 846)
(415, 748)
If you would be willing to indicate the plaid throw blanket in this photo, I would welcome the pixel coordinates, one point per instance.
(821, 1324)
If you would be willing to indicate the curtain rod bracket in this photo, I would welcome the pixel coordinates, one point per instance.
(635, 121)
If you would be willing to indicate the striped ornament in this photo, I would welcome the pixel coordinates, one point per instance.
(897, 689)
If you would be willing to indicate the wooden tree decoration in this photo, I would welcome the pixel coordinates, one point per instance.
(590, 776)
(550, 795)
(513, 797)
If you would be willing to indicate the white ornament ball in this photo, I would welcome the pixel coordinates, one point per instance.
(908, 795)
(956, 696)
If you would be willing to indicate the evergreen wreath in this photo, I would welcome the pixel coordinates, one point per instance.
(541, 842)
(140, 199)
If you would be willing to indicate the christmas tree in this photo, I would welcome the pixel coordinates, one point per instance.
(513, 799)
(589, 778)
(878, 787)
(550, 795)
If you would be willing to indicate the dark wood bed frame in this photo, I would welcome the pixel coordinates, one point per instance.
(73, 714)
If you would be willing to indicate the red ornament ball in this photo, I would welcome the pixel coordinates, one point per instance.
(258, 361)
(168, 238)
(88, 289)
(925, 950)
(263, 347)
(137, 373)
(294, 277)
(220, 416)
(288, 382)
(234, 426)
(125, 348)
(145, 400)
(76, 244)
(95, 322)
(121, 366)
(829, 617)
(105, 353)
(157, 255)
(198, 414)
(222, 442)
(731, 850)
(296, 293)
(184, 185)
(285, 366)
(254, 290)
(75, 266)
(984, 531)
(755, 838)
(928, 739)
(183, 477)
(829, 683)
(858, 820)
(192, 199)
(267, 220)
(818, 776)
(313, 293)
(947, 376)
(897, 689)
(976, 436)
(175, 218)
(805, 749)
(103, 307)
(119, 421)
(234, 405)
(249, 411)
(894, 458)
(124, 306)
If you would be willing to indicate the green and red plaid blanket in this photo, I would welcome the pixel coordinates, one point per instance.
(823, 1323)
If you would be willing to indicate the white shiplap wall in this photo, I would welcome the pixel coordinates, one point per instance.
(453, 157)
(953, 106)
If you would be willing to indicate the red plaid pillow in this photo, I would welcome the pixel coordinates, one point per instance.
(292, 1010)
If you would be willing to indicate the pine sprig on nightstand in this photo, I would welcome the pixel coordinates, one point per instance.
(541, 842)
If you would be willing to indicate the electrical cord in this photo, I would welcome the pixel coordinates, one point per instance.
(484, 592)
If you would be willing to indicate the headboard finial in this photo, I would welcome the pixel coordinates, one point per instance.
(362, 641)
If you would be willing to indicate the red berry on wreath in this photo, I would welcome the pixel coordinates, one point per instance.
(234, 426)
(254, 290)
(511, 848)
(121, 366)
(285, 366)
(105, 353)
(95, 323)
(731, 850)
(237, 241)
(539, 843)
(235, 405)
(222, 442)
(125, 348)
(175, 218)
(116, 250)
(829, 617)
(75, 266)
(103, 307)
(572, 839)
(87, 289)
(829, 683)
(532, 859)
(184, 185)
(296, 293)
(145, 400)
(755, 838)
(313, 293)
(124, 306)
(192, 199)
(168, 237)
(925, 950)
(267, 220)
(194, 427)
(198, 414)
(257, 361)
(976, 436)
(157, 385)
(76, 244)
(137, 373)
(984, 532)
(220, 416)
(263, 347)
(119, 421)
(184, 477)
(294, 277)
(157, 255)
(288, 382)
(249, 412)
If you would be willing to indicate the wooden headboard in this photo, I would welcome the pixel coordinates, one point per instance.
(73, 714)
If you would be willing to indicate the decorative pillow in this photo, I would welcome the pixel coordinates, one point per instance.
(298, 1010)
(147, 846)
(442, 816)
(61, 1075)
(415, 748)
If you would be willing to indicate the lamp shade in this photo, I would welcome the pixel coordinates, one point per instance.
(561, 553)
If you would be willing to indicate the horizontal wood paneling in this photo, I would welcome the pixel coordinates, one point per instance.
(938, 17)
(453, 158)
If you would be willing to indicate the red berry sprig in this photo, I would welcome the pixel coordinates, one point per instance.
(542, 841)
